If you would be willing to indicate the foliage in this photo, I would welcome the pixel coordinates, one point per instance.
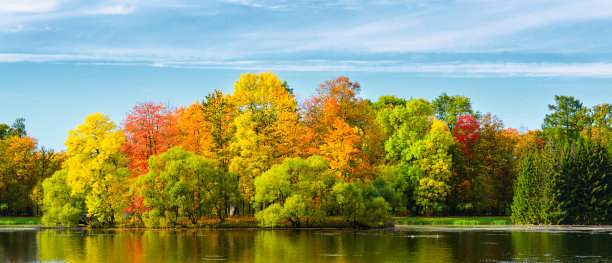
(60, 205)
(568, 118)
(419, 139)
(450, 108)
(564, 185)
(149, 131)
(266, 111)
(257, 151)
(361, 205)
(294, 191)
(180, 184)
(345, 129)
(97, 167)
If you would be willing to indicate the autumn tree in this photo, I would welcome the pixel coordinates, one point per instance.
(495, 166)
(150, 129)
(345, 122)
(18, 174)
(388, 101)
(465, 159)
(264, 135)
(96, 167)
(193, 132)
(601, 117)
(219, 112)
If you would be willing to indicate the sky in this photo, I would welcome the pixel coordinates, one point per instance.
(63, 59)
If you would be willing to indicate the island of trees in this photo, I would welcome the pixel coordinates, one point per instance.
(260, 152)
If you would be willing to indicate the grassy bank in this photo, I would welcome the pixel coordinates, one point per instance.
(19, 220)
(457, 221)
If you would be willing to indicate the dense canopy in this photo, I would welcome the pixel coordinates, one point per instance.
(260, 152)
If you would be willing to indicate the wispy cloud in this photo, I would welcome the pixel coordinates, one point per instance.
(448, 69)
(182, 33)
(284, 5)
(118, 9)
(28, 6)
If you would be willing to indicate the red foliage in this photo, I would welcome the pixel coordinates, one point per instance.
(149, 130)
(467, 131)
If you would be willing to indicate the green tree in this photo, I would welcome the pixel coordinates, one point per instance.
(404, 180)
(180, 184)
(568, 118)
(388, 101)
(419, 139)
(361, 205)
(294, 191)
(60, 206)
(449, 108)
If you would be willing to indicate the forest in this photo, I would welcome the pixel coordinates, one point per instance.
(260, 152)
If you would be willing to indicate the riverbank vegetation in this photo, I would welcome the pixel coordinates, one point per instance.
(19, 220)
(260, 153)
(455, 221)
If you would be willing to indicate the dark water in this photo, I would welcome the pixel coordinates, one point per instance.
(402, 244)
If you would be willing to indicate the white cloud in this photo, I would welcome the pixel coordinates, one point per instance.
(452, 69)
(466, 26)
(27, 6)
(120, 9)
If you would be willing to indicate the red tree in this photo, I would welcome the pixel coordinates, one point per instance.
(149, 130)
(467, 131)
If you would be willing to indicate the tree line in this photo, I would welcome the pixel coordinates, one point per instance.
(259, 151)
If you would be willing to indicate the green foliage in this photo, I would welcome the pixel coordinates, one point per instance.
(294, 191)
(449, 108)
(361, 205)
(453, 221)
(418, 139)
(59, 206)
(567, 186)
(404, 180)
(568, 118)
(180, 184)
(388, 101)
(16, 129)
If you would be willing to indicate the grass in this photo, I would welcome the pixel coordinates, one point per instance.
(456, 221)
(19, 220)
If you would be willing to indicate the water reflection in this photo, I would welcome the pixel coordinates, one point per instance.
(401, 244)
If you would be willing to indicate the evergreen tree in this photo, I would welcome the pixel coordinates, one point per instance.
(522, 191)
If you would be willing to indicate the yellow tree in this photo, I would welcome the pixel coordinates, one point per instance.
(265, 109)
(97, 167)
(18, 174)
(219, 113)
(435, 160)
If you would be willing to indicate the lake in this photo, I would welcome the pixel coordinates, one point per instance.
(406, 244)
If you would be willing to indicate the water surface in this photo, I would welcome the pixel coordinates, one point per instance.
(400, 244)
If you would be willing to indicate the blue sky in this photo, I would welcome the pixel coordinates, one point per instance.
(63, 59)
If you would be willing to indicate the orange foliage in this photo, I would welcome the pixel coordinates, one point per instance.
(193, 130)
(337, 117)
(150, 129)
